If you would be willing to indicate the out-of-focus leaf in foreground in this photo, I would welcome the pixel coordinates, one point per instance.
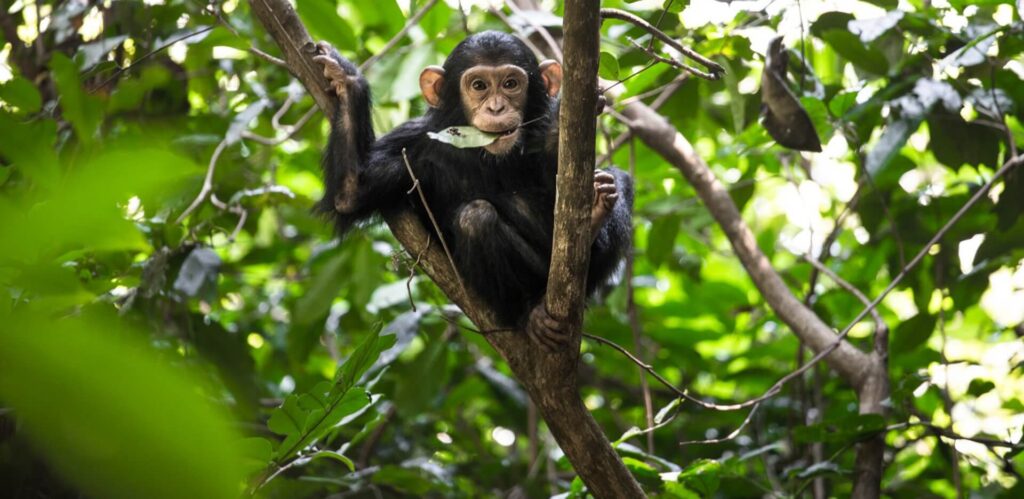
(110, 415)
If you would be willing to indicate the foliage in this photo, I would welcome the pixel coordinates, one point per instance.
(141, 356)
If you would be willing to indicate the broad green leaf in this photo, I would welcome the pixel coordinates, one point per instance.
(322, 19)
(84, 111)
(464, 137)
(912, 333)
(850, 47)
(703, 476)
(608, 67)
(113, 417)
(894, 137)
(21, 93)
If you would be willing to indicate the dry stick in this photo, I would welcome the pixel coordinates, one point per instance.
(117, 74)
(237, 209)
(433, 221)
(715, 68)
(412, 21)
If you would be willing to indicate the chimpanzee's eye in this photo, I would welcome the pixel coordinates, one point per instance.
(478, 85)
(511, 84)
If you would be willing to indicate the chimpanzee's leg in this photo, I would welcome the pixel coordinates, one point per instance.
(503, 266)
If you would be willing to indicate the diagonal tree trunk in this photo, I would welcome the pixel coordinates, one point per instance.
(550, 379)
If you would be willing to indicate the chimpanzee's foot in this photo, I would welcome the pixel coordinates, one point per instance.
(336, 75)
(545, 330)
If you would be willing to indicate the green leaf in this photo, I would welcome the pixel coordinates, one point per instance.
(956, 142)
(666, 411)
(21, 93)
(322, 19)
(842, 102)
(850, 47)
(979, 387)
(464, 137)
(113, 417)
(609, 67)
(341, 458)
(81, 109)
(893, 138)
(912, 333)
(703, 476)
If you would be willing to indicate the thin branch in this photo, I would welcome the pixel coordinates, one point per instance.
(433, 221)
(716, 70)
(735, 433)
(117, 74)
(634, 314)
(267, 57)
(207, 182)
(291, 130)
(671, 62)
(843, 283)
(409, 24)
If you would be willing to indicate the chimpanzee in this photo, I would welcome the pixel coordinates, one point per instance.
(494, 205)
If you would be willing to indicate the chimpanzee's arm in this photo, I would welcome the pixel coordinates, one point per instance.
(351, 136)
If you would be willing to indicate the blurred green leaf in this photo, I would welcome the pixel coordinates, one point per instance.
(113, 417)
(20, 93)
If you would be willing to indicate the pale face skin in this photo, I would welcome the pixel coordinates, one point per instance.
(493, 97)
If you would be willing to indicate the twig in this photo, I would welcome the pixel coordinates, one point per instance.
(207, 182)
(117, 74)
(716, 70)
(650, 370)
(433, 221)
(843, 283)
(412, 21)
(412, 271)
(735, 433)
(671, 62)
(634, 315)
(291, 130)
(267, 57)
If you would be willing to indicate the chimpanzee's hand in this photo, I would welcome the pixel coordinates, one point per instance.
(606, 193)
(545, 330)
(335, 73)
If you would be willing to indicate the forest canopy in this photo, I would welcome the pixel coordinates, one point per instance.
(823, 296)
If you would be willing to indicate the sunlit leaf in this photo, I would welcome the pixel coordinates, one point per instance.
(464, 137)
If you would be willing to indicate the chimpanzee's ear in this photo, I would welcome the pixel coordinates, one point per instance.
(551, 71)
(431, 79)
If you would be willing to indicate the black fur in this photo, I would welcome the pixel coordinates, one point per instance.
(495, 212)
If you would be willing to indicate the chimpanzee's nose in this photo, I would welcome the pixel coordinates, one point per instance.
(495, 107)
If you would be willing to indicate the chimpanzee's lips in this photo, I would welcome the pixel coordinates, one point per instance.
(503, 133)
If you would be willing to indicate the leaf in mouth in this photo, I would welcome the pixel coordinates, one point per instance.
(464, 137)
